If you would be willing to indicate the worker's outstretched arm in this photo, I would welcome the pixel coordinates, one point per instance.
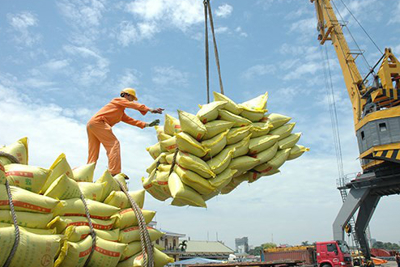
(139, 107)
(131, 121)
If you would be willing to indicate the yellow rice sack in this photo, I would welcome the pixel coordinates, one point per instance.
(77, 233)
(75, 207)
(262, 143)
(161, 135)
(2, 174)
(193, 163)
(192, 125)
(252, 114)
(267, 154)
(221, 161)
(222, 179)
(152, 188)
(169, 144)
(254, 176)
(195, 181)
(111, 185)
(188, 144)
(122, 178)
(93, 191)
(209, 112)
(162, 181)
(26, 201)
(84, 173)
(182, 192)
(27, 177)
(237, 134)
(276, 162)
(133, 248)
(155, 163)
(74, 254)
(164, 167)
(244, 163)
(154, 150)
(126, 218)
(27, 219)
(277, 120)
(18, 149)
(210, 196)
(63, 188)
(216, 127)
(283, 131)
(59, 167)
(160, 260)
(241, 148)
(32, 230)
(235, 182)
(215, 144)
(62, 222)
(120, 200)
(297, 151)
(230, 105)
(131, 234)
(260, 129)
(172, 125)
(33, 250)
(289, 141)
(236, 119)
(257, 103)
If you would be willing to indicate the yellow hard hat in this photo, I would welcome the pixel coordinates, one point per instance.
(130, 91)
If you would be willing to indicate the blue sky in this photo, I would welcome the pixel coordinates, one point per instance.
(63, 60)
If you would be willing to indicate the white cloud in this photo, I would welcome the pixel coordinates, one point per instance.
(240, 31)
(395, 18)
(56, 65)
(86, 13)
(169, 76)
(22, 22)
(258, 70)
(129, 33)
(224, 11)
(222, 30)
(130, 78)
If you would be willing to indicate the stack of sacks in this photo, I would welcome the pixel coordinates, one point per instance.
(117, 234)
(221, 146)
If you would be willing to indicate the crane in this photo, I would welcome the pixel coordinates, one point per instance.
(376, 114)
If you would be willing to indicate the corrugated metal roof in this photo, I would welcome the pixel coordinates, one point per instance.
(207, 246)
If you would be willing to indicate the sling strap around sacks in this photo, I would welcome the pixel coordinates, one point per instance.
(13, 214)
(147, 246)
(173, 161)
(207, 9)
(92, 232)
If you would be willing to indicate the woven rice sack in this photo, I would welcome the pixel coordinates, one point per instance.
(2, 174)
(120, 200)
(75, 207)
(209, 112)
(27, 219)
(289, 141)
(133, 248)
(132, 233)
(126, 218)
(257, 103)
(260, 129)
(168, 144)
(152, 188)
(237, 134)
(216, 127)
(162, 181)
(62, 222)
(26, 201)
(195, 164)
(34, 249)
(19, 150)
(236, 119)
(277, 120)
(154, 150)
(221, 161)
(32, 230)
(63, 188)
(195, 181)
(253, 114)
(254, 176)
(267, 154)
(84, 173)
(27, 177)
(160, 259)
(93, 191)
(215, 144)
(192, 125)
(230, 105)
(277, 161)
(244, 163)
(297, 151)
(171, 125)
(262, 143)
(184, 193)
(222, 179)
(241, 148)
(188, 144)
(111, 185)
(283, 131)
(58, 168)
(78, 233)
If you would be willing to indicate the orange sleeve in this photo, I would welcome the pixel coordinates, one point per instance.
(131, 121)
(133, 105)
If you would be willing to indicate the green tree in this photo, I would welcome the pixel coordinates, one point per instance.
(305, 243)
(268, 245)
(256, 251)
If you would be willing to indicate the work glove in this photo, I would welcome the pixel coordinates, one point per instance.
(154, 123)
(157, 110)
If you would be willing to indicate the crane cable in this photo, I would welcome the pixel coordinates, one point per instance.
(207, 7)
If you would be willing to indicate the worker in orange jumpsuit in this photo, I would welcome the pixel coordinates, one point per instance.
(99, 127)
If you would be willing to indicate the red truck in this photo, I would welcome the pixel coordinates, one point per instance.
(323, 254)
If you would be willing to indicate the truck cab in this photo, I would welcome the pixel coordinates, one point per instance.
(333, 254)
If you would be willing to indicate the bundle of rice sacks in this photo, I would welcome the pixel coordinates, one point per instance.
(54, 229)
(198, 157)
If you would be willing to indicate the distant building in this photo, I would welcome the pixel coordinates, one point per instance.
(206, 249)
(170, 241)
(242, 245)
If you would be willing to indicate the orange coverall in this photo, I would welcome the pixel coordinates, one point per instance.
(99, 130)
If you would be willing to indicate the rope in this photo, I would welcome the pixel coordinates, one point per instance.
(92, 232)
(173, 161)
(215, 47)
(17, 233)
(147, 246)
(205, 2)
(9, 157)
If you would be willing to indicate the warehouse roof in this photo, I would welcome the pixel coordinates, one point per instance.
(207, 246)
